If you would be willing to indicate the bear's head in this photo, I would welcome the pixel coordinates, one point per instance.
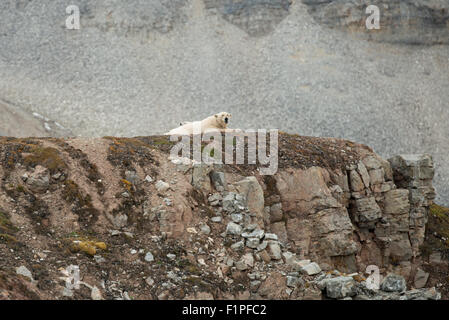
(223, 119)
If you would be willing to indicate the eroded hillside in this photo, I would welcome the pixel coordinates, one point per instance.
(140, 226)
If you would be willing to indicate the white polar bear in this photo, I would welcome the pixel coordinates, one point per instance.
(217, 122)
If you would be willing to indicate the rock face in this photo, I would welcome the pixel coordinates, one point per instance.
(415, 173)
(253, 16)
(420, 279)
(386, 215)
(332, 205)
(39, 180)
(410, 22)
(317, 224)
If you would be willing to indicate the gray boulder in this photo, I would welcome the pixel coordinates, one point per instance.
(233, 228)
(340, 287)
(393, 283)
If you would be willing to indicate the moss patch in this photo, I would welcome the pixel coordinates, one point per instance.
(7, 230)
(88, 247)
(437, 240)
(440, 212)
(91, 169)
(46, 157)
(129, 207)
(83, 242)
(72, 194)
(439, 222)
(127, 185)
(11, 150)
(6, 225)
(123, 152)
(437, 231)
(9, 239)
(82, 204)
(38, 211)
(188, 266)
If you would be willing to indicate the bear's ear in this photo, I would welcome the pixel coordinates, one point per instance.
(216, 115)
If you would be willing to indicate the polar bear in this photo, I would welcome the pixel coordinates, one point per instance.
(217, 122)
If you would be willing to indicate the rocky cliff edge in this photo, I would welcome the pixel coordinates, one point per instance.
(135, 225)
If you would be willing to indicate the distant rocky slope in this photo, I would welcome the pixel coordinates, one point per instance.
(15, 122)
(415, 22)
(140, 67)
(140, 226)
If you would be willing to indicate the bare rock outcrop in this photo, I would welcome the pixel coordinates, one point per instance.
(408, 22)
(120, 205)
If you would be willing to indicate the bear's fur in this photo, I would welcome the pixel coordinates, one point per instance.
(217, 122)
